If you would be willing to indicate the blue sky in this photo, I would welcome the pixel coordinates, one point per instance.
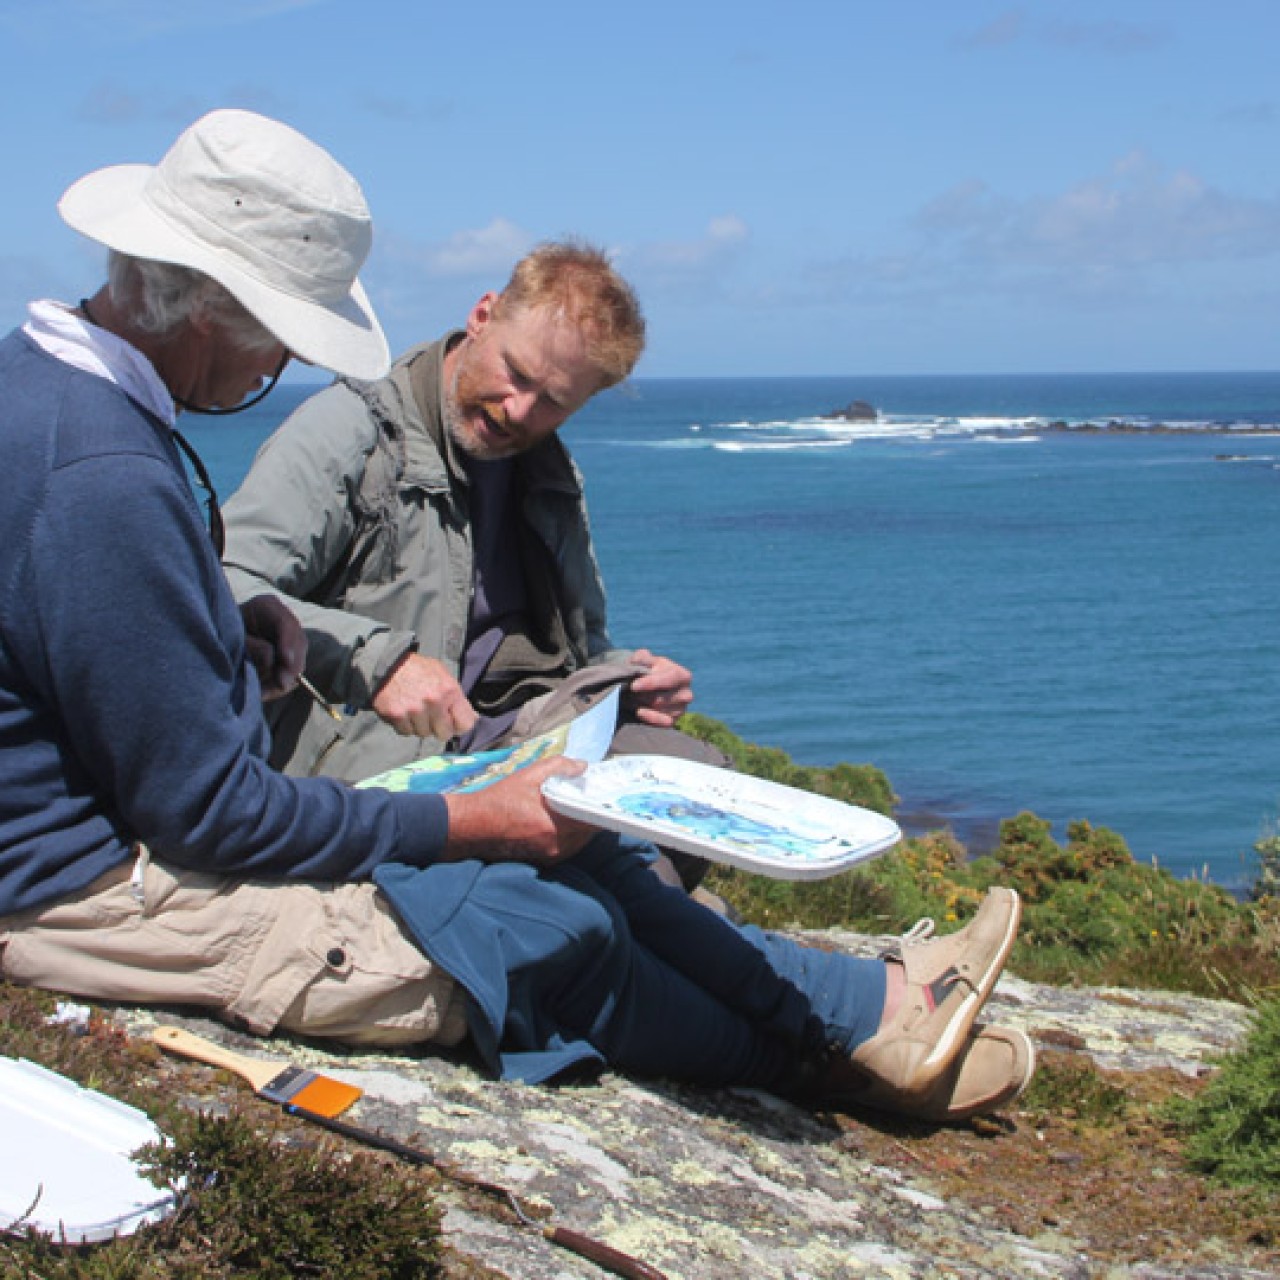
(817, 187)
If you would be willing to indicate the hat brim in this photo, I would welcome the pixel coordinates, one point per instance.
(108, 206)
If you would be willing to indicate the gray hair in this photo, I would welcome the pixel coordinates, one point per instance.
(161, 296)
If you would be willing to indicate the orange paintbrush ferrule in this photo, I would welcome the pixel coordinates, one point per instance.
(273, 1079)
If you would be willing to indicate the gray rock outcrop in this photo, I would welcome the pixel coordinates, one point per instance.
(724, 1184)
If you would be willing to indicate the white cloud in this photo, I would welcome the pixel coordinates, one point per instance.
(1261, 114)
(406, 110)
(420, 289)
(1106, 37)
(1109, 37)
(728, 229)
(483, 251)
(115, 103)
(1140, 228)
(1137, 213)
(109, 103)
(718, 244)
(1004, 29)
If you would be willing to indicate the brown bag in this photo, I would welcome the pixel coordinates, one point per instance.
(571, 697)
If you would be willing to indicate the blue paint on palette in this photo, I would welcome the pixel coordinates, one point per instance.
(711, 823)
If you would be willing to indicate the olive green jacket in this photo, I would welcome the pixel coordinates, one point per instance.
(358, 519)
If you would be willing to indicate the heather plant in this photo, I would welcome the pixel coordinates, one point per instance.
(279, 1209)
(263, 1195)
(254, 1206)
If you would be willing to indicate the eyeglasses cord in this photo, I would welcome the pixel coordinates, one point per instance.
(217, 528)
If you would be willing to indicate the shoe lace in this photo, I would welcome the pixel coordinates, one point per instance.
(921, 931)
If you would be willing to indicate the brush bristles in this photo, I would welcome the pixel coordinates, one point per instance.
(324, 1096)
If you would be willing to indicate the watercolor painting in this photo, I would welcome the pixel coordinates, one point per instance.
(728, 817)
(464, 773)
(585, 738)
(751, 829)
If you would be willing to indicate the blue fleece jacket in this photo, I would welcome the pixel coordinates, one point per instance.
(127, 708)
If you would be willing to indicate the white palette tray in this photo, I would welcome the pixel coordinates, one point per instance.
(727, 817)
(66, 1167)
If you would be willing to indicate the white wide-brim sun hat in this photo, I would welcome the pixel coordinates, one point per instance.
(269, 215)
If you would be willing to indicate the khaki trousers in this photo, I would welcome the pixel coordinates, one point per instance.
(318, 960)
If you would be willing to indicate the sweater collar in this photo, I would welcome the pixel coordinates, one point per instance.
(61, 331)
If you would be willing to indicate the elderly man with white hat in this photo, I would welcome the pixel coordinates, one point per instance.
(149, 853)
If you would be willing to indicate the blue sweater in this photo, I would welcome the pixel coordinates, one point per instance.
(127, 708)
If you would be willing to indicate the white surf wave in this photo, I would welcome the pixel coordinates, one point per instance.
(776, 446)
(814, 433)
(907, 428)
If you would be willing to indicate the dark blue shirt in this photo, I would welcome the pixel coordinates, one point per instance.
(128, 711)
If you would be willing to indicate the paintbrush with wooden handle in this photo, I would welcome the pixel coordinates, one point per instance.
(275, 1080)
(319, 699)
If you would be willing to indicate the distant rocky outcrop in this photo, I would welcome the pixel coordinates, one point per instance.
(1121, 426)
(854, 411)
(712, 1184)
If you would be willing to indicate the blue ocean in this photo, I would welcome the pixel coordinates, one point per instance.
(1046, 593)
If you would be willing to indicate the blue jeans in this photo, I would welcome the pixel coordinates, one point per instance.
(598, 961)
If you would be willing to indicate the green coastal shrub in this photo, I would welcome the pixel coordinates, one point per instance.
(1234, 1122)
(1091, 913)
(860, 784)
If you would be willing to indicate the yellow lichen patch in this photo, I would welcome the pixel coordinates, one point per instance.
(692, 1174)
(649, 1239)
(768, 1161)
(509, 1165)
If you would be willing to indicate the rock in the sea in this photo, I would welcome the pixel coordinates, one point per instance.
(854, 411)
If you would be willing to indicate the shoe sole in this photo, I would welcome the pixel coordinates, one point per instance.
(1001, 1098)
(940, 1107)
